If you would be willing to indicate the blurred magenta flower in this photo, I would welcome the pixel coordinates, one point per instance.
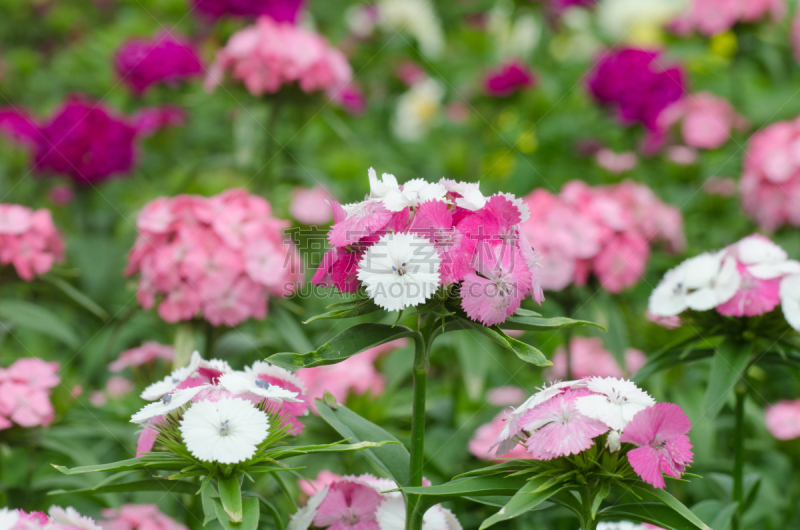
(150, 120)
(605, 230)
(783, 419)
(505, 80)
(350, 98)
(168, 59)
(711, 17)
(269, 55)
(590, 358)
(61, 195)
(29, 240)
(706, 120)
(277, 10)
(634, 83)
(217, 258)
(770, 184)
(144, 354)
(25, 392)
(138, 517)
(311, 206)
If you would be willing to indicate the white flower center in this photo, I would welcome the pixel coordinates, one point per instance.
(401, 270)
(262, 384)
(224, 428)
(616, 397)
(166, 399)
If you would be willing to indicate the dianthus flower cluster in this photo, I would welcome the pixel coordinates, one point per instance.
(218, 257)
(636, 85)
(277, 10)
(749, 278)
(605, 230)
(29, 240)
(711, 17)
(25, 393)
(770, 183)
(168, 59)
(783, 419)
(58, 519)
(221, 413)
(85, 140)
(269, 55)
(363, 502)
(567, 418)
(405, 241)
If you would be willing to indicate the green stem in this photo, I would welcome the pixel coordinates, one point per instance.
(738, 454)
(568, 351)
(587, 498)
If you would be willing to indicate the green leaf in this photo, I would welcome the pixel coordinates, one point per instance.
(152, 484)
(209, 511)
(605, 489)
(727, 366)
(76, 296)
(230, 495)
(668, 359)
(276, 514)
(352, 309)
(538, 323)
(724, 518)
(39, 319)
(524, 351)
(652, 513)
(122, 465)
(289, 329)
(393, 459)
(473, 486)
(526, 499)
(250, 515)
(330, 448)
(343, 346)
(474, 364)
(665, 498)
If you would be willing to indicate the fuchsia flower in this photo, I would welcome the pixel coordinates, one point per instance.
(707, 120)
(770, 182)
(138, 517)
(84, 139)
(511, 77)
(25, 393)
(635, 85)
(277, 10)
(146, 353)
(660, 434)
(311, 206)
(218, 257)
(783, 419)
(359, 503)
(141, 63)
(711, 17)
(590, 358)
(29, 240)
(357, 374)
(605, 230)
(403, 241)
(270, 55)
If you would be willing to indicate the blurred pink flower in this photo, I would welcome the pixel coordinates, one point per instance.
(277, 10)
(590, 358)
(506, 79)
(29, 240)
(711, 17)
(504, 396)
(25, 392)
(311, 206)
(146, 353)
(660, 434)
(616, 162)
(457, 112)
(348, 505)
(357, 374)
(150, 120)
(770, 183)
(220, 257)
(138, 517)
(681, 155)
(672, 322)
(167, 58)
(783, 419)
(324, 478)
(410, 73)
(98, 398)
(117, 387)
(707, 120)
(722, 186)
(351, 98)
(481, 445)
(268, 55)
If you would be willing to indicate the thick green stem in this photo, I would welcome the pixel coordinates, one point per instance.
(738, 454)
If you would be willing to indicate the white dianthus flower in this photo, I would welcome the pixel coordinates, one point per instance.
(69, 516)
(227, 431)
(167, 403)
(400, 270)
(615, 403)
(249, 383)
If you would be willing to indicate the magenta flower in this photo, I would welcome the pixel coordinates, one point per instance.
(348, 506)
(558, 429)
(635, 86)
(660, 434)
(277, 10)
(167, 59)
(507, 79)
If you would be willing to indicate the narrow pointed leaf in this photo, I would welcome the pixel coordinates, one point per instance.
(230, 495)
(652, 513)
(727, 366)
(474, 486)
(152, 484)
(665, 498)
(250, 515)
(526, 499)
(348, 310)
(36, 318)
(539, 323)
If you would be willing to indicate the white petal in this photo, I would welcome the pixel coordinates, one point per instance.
(167, 403)
(226, 431)
(768, 271)
(69, 516)
(305, 515)
(391, 514)
(757, 249)
(8, 518)
(790, 300)
(242, 383)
